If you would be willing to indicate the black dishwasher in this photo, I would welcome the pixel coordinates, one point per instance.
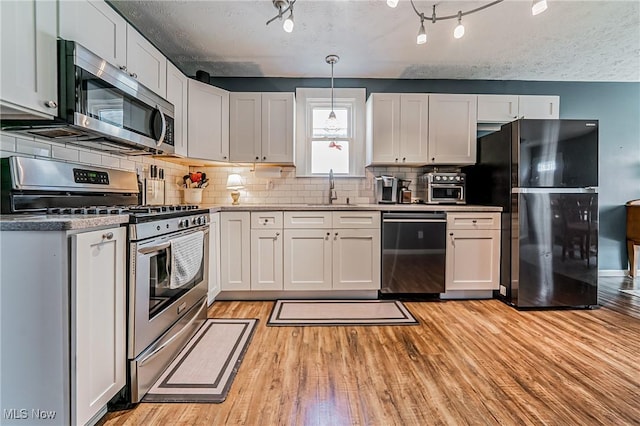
(413, 254)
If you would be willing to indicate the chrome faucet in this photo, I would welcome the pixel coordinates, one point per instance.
(332, 185)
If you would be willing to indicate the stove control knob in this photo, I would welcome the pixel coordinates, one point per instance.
(437, 177)
(458, 178)
(183, 223)
(201, 220)
(194, 221)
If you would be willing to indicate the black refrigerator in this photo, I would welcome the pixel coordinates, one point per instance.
(544, 175)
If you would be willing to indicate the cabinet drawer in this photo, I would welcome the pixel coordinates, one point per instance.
(473, 221)
(307, 219)
(266, 220)
(356, 219)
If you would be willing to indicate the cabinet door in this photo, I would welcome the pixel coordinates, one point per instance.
(497, 108)
(356, 272)
(28, 56)
(266, 259)
(539, 107)
(245, 127)
(98, 284)
(235, 253)
(473, 260)
(383, 128)
(96, 26)
(414, 122)
(177, 95)
(307, 259)
(146, 63)
(208, 122)
(452, 129)
(214, 257)
(277, 127)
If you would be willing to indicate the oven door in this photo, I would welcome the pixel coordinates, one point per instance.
(154, 306)
(439, 193)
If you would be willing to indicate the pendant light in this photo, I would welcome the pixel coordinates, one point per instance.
(331, 125)
(288, 23)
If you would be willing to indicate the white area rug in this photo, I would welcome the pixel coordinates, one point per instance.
(340, 312)
(206, 367)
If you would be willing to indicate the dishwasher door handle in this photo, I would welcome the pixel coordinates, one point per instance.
(414, 221)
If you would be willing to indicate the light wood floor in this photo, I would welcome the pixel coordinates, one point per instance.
(468, 362)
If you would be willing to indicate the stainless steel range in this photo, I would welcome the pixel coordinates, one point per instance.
(167, 252)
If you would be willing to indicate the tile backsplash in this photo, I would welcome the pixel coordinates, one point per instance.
(284, 189)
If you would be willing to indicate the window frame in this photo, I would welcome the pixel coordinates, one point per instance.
(306, 100)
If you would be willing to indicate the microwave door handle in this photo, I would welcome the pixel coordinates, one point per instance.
(164, 127)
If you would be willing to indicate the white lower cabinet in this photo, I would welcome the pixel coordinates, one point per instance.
(356, 259)
(340, 252)
(64, 348)
(98, 283)
(214, 257)
(473, 251)
(266, 259)
(307, 259)
(235, 251)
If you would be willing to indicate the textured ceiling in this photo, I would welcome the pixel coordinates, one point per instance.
(571, 41)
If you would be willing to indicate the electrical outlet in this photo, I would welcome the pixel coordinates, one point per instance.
(420, 235)
(503, 291)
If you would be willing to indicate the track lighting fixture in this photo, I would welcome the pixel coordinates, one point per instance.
(331, 125)
(458, 32)
(392, 3)
(537, 7)
(283, 7)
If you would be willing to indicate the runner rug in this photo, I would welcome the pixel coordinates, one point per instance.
(340, 312)
(206, 367)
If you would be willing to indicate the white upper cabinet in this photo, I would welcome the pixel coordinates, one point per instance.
(96, 26)
(261, 127)
(397, 128)
(99, 28)
(497, 108)
(177, 95)
(506, 108)
(208, 122)
(452, 129)
(28, 57)
(146, 63)
(539, 107)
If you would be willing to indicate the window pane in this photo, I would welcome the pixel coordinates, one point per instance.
(327, 155)
(320, 115)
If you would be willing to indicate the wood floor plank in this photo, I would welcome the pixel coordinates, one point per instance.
(477, 362)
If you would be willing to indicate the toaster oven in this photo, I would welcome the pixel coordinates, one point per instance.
(442, 188)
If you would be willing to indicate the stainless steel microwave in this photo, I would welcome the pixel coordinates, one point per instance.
(102, 107)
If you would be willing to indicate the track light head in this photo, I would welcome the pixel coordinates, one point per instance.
(458, 32)
(392, 3)
(288, 23)
(422, 34)
(538, 6)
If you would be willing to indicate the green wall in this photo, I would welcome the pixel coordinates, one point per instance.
(615, 105)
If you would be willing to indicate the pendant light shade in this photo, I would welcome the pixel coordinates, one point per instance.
(288, 23)
(422, 34)
(331, 125)
(392, 3)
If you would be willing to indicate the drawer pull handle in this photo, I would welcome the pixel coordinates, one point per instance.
(474, 221)
(107, 236)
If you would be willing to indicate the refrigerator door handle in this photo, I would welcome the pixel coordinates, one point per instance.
(585, 190)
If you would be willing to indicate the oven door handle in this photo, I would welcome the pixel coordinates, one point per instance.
(172, 338)
(147, 250)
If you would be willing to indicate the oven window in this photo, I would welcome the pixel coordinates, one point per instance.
(161, 295)
(453, 193)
